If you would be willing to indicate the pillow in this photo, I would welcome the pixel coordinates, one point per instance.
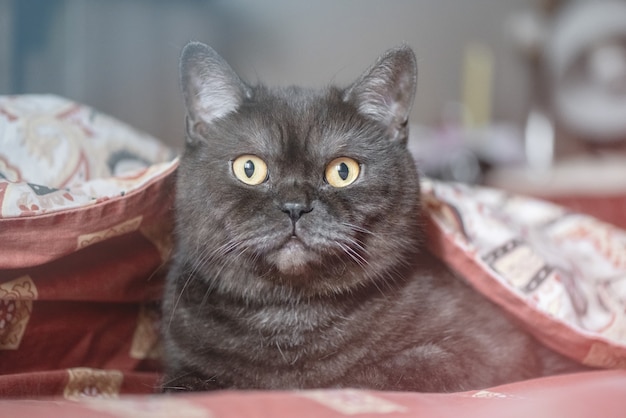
(85, 230)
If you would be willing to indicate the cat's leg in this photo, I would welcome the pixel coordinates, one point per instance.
(434, 368)
(427, 368)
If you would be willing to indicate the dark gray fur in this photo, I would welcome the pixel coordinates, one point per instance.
(355, 300)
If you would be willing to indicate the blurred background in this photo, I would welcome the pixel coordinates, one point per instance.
(523, 94)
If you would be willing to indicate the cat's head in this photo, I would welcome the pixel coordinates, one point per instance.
(311, 190)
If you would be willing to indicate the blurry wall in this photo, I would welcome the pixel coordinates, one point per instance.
(120, 56)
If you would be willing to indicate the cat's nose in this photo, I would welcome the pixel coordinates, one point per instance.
(295, 210)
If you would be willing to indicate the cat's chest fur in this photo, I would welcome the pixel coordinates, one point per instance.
(299, 259)
(424, 334)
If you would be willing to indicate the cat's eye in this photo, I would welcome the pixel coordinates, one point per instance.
(342, 172)
(250, 169)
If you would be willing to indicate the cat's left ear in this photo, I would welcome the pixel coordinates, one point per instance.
(385, 92)
(210, 87)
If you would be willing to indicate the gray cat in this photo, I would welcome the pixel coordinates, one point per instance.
(299, 259)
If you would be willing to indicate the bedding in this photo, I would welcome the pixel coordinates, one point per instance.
(85, 233)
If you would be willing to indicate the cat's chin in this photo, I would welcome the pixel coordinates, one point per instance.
(293, 258)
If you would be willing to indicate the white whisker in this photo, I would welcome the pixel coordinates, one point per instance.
(357, 228)
(354, 255)
(203, 257)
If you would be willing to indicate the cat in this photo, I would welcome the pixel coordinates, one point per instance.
(299, 259)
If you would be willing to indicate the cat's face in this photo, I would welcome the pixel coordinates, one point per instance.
(309, 189)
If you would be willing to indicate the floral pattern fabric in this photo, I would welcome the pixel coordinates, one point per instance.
(563, 274)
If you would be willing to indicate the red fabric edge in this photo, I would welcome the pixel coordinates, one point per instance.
(46, 384)
(21, 243)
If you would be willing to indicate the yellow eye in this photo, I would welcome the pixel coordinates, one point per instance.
(250, 169)
(342, 172)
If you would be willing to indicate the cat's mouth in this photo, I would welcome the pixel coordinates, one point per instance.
(293, 257)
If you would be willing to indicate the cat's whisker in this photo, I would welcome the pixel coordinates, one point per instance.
(200, 258)
(241, 251)
(281, 352)
(203, 258)
(354, 255)
(359, 245)
(357, 228)
(169, 386)
(231, 261)
(180, 295)
(173, 379)
(375, 279)
(224, 249)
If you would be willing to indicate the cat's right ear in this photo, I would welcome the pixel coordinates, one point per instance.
(211, 88)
